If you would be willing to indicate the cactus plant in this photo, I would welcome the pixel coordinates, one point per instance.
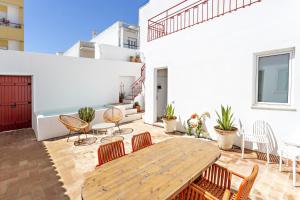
(86, 114)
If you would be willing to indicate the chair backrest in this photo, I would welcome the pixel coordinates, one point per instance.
(113, 115)
(141, 141)
(259, 128)
(72, 123)
(246, 185)
(110, 151)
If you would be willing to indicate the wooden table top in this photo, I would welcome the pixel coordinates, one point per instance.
(156, 172)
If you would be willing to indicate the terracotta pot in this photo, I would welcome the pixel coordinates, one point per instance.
(138, 60)
(138, 108)
(169, 125)
(132, 59)
(226, 138)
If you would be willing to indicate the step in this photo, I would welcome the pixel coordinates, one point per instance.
(132, 117)
(128, 101)
(130, 111)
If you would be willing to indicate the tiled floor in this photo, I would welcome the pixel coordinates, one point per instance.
(56, 169)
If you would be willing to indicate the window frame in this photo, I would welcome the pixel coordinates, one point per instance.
(273, 105)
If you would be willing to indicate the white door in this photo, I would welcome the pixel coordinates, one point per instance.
(162, 91)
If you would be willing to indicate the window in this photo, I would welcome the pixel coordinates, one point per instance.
(273, 78)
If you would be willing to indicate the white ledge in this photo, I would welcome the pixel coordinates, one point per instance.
(273, 107)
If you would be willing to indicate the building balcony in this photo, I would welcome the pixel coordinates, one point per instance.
(187, 14)
(11, 31)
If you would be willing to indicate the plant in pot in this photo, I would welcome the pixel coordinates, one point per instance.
(196, 125)
(138, 59)
(225, 128)
(169, 119)
(137, 106)
(131, 58)
(87, 114)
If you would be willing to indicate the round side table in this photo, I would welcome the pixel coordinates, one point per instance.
(102, 127)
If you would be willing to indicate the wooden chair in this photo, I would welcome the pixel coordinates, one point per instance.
(73, 124)
(141, 141)
(215, 183)
(110, 151)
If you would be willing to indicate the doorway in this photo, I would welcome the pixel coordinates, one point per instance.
(15, 102)
(161, 92)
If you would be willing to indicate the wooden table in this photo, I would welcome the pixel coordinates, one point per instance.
(157, 172)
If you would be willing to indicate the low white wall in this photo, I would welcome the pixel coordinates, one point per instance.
(60, 83)
(109, 52)
(212, 64)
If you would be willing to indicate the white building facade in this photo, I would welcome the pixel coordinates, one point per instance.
(246, 58)
(118, 35)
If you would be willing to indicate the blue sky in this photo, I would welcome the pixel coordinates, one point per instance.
(55, 25)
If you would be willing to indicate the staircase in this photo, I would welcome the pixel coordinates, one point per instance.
(187, 14)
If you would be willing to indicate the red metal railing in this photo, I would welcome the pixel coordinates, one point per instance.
(137, 86)
(184, 15)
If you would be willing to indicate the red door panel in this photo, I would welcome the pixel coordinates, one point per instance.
(15, 102)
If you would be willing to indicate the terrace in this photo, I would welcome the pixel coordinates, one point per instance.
(56, 169)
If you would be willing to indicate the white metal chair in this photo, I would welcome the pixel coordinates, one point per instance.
(259, 135)
(292, 153)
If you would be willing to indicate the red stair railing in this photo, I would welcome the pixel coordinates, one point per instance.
(137, 86)
(184, 15)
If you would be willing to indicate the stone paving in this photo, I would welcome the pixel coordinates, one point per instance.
(56, 169)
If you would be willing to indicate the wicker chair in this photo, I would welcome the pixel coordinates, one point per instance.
(215, 183)
(74, 124)
(113, 115)
(110, 151)
(141, 141)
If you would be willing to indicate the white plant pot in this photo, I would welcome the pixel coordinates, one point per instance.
(226, 138)
(169, 125)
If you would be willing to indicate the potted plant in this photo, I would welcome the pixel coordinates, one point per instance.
(121, 97)
(87, 114)
(169, 119)
(131, 58)
(137, 106)
(138, 59)
(225, 128)
(196, 125)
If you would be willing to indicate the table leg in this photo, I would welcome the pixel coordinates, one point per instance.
(294, 171)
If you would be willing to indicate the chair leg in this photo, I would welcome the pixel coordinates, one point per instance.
(280, 161)
(69, 136)
(243, 147)
(268, 154)
(294, 171)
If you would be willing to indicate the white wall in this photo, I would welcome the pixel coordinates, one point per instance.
(109, 36)
(212, 63)
(109, 52)
(74, 51)
(61, 83)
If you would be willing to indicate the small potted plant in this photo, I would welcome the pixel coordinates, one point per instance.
(138, 59)
(225, 128)
(131, 58)
(87, 114)
(196, 125)
(137, 106)
(121, 97)
(169, 119)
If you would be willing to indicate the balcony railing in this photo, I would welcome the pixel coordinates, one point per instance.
(6, 22)
(186, 14)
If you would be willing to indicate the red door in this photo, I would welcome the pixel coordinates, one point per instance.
(15, 102)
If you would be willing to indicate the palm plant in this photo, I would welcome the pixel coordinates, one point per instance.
(170, 110)
(225, 119)
(86, 114)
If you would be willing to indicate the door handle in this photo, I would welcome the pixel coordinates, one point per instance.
(13, 105)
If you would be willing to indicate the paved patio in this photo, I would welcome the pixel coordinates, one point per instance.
(56, 169)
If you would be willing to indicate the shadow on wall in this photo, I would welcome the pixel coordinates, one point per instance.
(27, 170)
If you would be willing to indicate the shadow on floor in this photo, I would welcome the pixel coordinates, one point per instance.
(27, 171)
